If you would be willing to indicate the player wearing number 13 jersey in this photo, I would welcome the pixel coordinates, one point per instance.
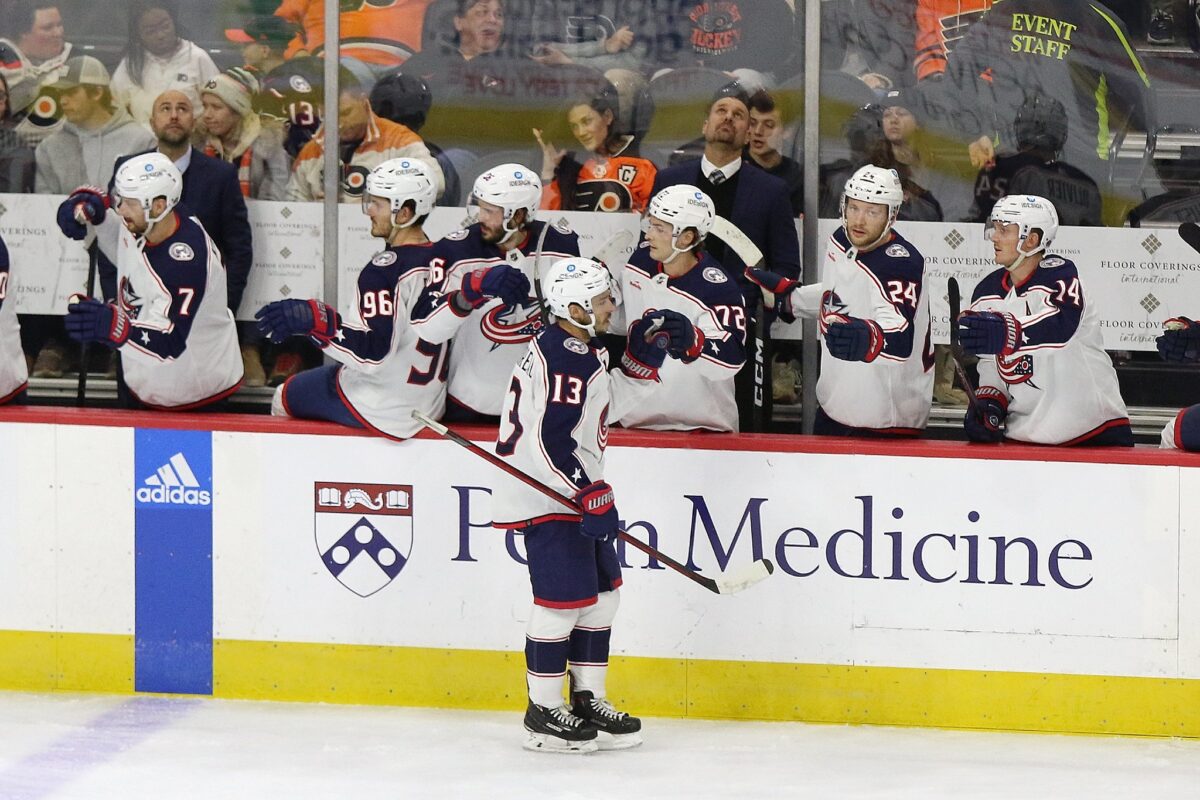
(386, 371)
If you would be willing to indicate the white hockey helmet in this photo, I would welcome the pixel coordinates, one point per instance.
(512, 187)
(872, 184)
(400, 180)
(684, 207)
(1029, 212)
(147, 177)
(576, 280)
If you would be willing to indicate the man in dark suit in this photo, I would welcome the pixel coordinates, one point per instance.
(754, 201)
(211, 191)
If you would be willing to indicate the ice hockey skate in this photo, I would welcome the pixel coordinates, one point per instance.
(557, 730)
(618, 730)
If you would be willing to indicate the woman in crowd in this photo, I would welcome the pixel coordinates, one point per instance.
(612, 176)
(157, 59)
(233, 132)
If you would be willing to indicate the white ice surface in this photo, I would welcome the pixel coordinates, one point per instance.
(95, 747)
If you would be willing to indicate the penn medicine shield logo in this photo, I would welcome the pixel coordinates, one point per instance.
(364, 532)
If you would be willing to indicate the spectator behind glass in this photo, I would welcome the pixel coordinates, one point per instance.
(941, 25)
(601, 34)
(81, 153)
(231, 130)
(1041, 131)
(612, 178)
(263, 41)
(16, 158)
(868, 145)
(869, 39)
(158, 60)
(93, 135)
(30, 63)
(478, 34)
(766, 137)
(743, 34)
(383, 34)
(364, 142)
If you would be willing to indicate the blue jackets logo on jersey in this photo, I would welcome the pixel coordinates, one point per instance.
(505, 325)
(364, 532)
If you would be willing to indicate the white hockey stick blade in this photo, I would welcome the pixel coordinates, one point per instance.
(614, 252)
(430, 422)
(739, 242)
(758, 571)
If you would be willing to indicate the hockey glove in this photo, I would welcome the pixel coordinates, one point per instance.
(984, 421)
(86, 204)
(89, 320)
(989, 333)
(600, 520)
(502, 281)
(684, 340)
(777, 285)
(1180, 341)
(854, 340)
(643, 355)
(285, 318)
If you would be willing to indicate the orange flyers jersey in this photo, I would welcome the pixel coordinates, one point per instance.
(941, 23)
(382, 32)
(623, 183)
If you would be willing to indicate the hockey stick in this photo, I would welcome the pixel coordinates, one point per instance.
(615, 250)
(956, 353)
(544, 313)
(751, 575)
(752, 257)
(92, 249)
(1190, 233)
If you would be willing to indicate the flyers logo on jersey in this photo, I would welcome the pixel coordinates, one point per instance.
(504, 325)
(364, 532)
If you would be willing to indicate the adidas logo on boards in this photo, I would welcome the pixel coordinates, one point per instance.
(174, 483)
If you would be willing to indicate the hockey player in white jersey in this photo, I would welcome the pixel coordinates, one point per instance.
(1044, 377)
(873, 312)
(170, 323)
(384, 370)
(702, 311)
(560, 398)
(14, 374)
(1180, 343)
(487, 305)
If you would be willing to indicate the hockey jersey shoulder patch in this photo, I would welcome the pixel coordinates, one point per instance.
(1053, 261)
(575, 345)
(898, 251)
(458, 235)
(181, 251)
(562, 226)
(384, 259)
(715, 275)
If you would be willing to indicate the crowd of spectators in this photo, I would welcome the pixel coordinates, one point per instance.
(926, 88)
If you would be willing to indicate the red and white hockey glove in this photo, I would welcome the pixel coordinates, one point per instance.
(600, 519)
(89, 320)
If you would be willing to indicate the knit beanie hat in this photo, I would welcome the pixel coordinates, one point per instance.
(235, 88)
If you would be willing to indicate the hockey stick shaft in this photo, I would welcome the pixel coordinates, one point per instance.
(956, 353)
(751, 256)
(533, 483)
(81, 388)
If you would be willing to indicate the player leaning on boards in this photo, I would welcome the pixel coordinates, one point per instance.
(170, 322)
(702, 310)
(1044, 377)
(14, 372)
(560, 398)
(877, 360)
(487, 305)
(385, 370)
